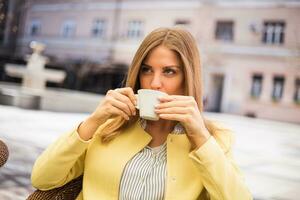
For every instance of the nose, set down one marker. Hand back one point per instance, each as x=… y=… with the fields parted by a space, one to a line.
x=156 y=82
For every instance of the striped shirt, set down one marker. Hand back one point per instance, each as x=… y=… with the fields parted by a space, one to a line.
x=145 y=174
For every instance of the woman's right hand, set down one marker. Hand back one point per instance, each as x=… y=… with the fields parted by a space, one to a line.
x=117 y=102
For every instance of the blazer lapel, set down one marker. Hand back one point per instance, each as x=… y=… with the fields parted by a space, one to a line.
x=125 y=146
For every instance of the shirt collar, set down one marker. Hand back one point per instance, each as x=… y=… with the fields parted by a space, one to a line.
x=178 y=129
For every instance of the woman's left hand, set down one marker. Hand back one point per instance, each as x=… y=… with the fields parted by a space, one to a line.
x=184 y=109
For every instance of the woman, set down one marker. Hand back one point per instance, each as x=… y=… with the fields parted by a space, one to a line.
x=180 y=156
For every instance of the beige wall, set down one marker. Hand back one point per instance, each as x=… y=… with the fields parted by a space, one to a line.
x=236 y=61
x=243 y=16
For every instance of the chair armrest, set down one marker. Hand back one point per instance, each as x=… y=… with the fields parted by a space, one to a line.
x=68 y=191
x=3 y=153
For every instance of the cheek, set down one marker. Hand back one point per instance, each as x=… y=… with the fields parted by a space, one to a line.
x=175 y=86
x=144 y=81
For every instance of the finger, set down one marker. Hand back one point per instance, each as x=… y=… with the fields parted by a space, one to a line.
x=120 y=105
x=119 y=112
x=174 y=117
x=174 y=97
x=126 y=100
x=129 y=93
x=174 y=110
x=179 y=103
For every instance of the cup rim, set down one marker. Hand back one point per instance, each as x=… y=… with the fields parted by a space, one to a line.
x=150 y=90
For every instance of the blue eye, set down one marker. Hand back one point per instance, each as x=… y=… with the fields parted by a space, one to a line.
x=144 y=69
x=169 y=71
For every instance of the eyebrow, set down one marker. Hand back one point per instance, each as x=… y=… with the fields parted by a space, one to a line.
x=163 y=67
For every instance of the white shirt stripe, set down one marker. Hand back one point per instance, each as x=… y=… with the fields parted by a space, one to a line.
x=145 y=174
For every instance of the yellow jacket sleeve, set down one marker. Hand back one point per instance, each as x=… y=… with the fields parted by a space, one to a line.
x=221 y=177
x=61 y=162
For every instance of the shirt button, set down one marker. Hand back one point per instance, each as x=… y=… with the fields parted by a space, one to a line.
x=173 y=179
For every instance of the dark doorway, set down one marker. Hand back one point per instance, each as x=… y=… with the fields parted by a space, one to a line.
x=216 y=93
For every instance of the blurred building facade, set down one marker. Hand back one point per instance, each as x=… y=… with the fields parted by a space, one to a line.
x=10 y=13
x=249 y=49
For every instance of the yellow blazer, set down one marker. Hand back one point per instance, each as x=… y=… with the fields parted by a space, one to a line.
x=206 y=173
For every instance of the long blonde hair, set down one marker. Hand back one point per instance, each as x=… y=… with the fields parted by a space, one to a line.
x=181 y=42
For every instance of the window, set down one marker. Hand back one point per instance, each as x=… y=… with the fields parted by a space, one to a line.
x=273 y=33
x=278 y=84
x=35 y=28
x=135 y=29
x=98 y=29
x=182 y=22
x=297 y=90
x=256 y=85
x=69 y=28
x=224 y=30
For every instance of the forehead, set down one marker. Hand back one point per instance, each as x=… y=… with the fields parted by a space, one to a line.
x=162 y=55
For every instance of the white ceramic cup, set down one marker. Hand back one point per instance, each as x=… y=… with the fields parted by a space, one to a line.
x=146 y=101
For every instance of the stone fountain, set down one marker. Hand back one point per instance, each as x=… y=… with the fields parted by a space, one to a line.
x=34 y=77
x=33 y=93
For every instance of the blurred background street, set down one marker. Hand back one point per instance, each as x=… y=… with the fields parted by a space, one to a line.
x=268 y=152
